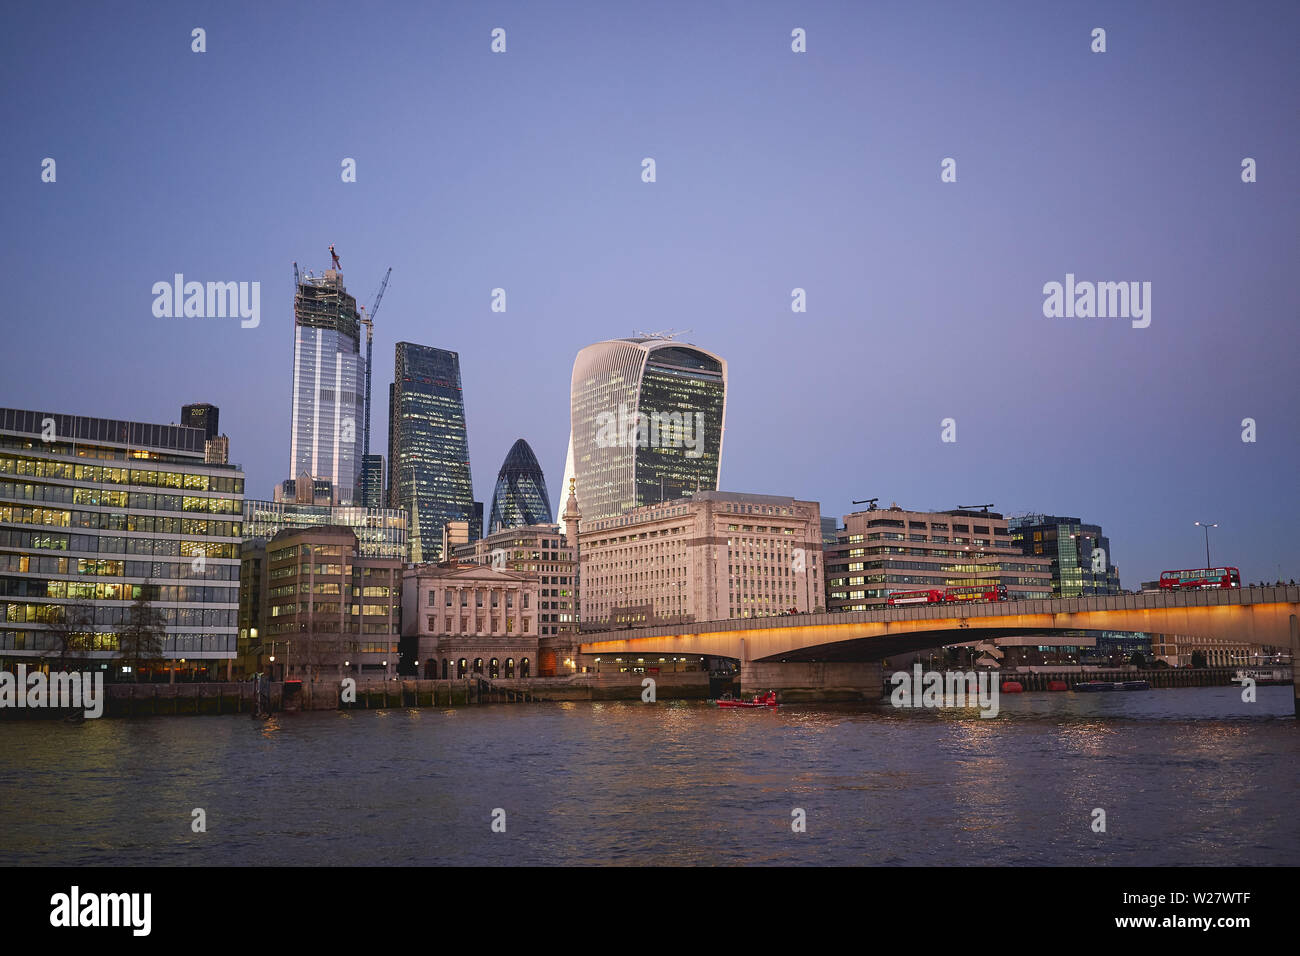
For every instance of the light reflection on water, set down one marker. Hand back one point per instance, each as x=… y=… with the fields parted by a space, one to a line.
x=1186 y=777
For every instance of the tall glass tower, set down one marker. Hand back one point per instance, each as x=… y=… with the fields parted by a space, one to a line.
x=520 y=497
x=329 y=370
x=646 y=423
x=428 y=444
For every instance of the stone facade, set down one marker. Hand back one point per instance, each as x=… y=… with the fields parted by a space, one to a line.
x=459 y=619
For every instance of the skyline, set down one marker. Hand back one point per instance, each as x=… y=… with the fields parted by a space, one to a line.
x=519 y=172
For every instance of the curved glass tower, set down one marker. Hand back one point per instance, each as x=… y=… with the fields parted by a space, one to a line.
x=520 y=497
x=646 y=423
x=428 y=445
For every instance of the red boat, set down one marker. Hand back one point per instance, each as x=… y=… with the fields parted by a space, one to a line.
x=767 y=700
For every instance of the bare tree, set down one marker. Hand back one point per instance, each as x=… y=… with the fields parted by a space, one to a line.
x=72 y=631
x=140 y=641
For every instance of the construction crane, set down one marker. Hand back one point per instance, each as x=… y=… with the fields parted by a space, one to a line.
x=368 y=320
x=869 y=502
x=335 y=257
x=984 y=508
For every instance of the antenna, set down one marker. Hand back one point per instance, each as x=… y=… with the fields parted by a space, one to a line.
x=664 y=334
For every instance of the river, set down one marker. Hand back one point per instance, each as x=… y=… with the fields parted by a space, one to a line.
x=1185 y=777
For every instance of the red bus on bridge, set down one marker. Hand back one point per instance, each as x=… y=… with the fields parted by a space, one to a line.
x=977 y=592
x=956 y=595
x=932 y=596
x=1199 y=578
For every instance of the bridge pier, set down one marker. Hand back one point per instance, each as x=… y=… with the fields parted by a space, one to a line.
x=812 y=681
x=1295 y=663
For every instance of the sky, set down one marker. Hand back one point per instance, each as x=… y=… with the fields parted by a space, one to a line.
x=774 y=170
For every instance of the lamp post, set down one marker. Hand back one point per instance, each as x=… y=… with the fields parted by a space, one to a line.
x=1207 y=525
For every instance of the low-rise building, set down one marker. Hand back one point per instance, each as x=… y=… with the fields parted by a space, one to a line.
x=882 y=550
x=329 y=612
x=540 y=550
x=462 y=619
x=714 y=556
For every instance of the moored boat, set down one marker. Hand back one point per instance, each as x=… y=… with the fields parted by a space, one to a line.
x=767 y=700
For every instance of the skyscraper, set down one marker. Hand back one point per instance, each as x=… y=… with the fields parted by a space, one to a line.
x=520 y=497
x=372 y=482
x=428 y=444
x=328 y=401
x=646 y=423
x=202 y=415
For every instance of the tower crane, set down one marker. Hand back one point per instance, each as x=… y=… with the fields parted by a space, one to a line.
x=368 y=320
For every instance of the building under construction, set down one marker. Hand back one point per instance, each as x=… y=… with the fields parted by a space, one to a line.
x=328 y=413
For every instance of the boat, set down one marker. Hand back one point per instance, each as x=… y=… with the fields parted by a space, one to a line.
x=1013 y=687
x=1057 y=685
x=1101 y=685
x=767 y=700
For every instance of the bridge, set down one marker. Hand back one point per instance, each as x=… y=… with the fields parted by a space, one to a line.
x=1266 y=616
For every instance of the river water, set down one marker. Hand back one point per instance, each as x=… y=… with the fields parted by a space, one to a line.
x=1185 y=777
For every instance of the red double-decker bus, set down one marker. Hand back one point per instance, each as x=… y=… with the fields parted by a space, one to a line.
x=1199 y=578
x=977 y=592
x=932 y=596
x=955 y=595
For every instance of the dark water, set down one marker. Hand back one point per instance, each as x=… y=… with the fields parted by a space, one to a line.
x=1186 y=777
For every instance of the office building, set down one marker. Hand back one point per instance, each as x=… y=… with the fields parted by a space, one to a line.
x=328 y=612
x=428 y=445
x=880 y=550
x=1081 y=561
x=646 y=423
x=327 y=416
x=202 y=416
x=95 y=513
x=380 y=532
x=713 y=556
x=372 y=482
x=520 y=496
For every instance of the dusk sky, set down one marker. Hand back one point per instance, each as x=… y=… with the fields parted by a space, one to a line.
x=775 y=170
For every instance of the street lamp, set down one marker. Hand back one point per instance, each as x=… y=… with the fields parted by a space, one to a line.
x=1207 y=525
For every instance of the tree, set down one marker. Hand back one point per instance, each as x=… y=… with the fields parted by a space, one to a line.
x=140 y=641
x=71 y=631
x=1198 y=658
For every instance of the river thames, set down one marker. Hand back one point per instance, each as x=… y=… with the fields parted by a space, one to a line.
x=1185 y=777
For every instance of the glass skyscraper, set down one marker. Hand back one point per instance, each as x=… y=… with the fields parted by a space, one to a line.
x=1080 y=553
x=428 y=445
x=520 y=497
x=329 y=370
x=647 y=417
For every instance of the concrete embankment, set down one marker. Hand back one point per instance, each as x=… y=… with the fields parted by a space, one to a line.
x=144 y=700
